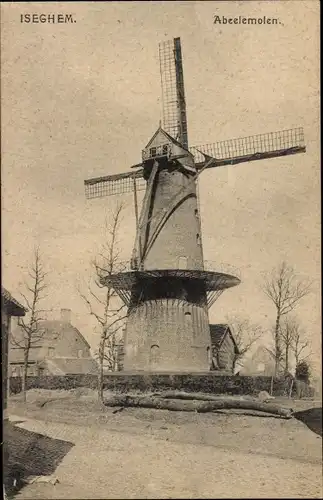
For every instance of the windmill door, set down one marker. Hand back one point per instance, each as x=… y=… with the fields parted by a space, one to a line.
x=154 y=356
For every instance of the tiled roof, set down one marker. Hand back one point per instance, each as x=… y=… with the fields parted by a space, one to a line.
x=218 y=333
x=15 y=308
x=73 y=366
x=54 y=330
x=51 y=331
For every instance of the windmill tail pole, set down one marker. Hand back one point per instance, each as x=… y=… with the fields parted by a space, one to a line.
x=191 y=404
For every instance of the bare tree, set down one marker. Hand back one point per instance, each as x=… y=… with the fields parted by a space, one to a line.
x=285 y=290
x=300 y=346
x=31 y=331
x=102 y=301
x=111 y=354
x=270 y=348
x=287 y=332
x=245 y=334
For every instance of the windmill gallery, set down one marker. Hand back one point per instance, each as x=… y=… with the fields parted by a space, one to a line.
x=167 y=288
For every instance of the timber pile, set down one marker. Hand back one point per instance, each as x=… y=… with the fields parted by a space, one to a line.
x=197 y=402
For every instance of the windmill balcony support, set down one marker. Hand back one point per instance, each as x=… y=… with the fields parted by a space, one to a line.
x=215 y=268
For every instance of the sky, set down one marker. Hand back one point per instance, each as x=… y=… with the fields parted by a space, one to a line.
x=81 y=100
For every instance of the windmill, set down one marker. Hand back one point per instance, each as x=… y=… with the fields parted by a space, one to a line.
x=167 y=288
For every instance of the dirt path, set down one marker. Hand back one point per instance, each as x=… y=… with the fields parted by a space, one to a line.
x=279 y=437
x=170 y=456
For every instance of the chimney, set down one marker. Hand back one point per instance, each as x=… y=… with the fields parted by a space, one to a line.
x=66 y=315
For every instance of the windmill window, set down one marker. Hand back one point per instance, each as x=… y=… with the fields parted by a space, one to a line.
x=152 y=152
x=188 y=314
x=198 y=239
x=51 y=352
x=165 y=149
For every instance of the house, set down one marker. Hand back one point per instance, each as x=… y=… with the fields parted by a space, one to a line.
x=262 y=362
x=223 y=348
x=59 y=349
x=9 y=307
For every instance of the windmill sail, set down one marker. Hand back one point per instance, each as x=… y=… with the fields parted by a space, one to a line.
x=232 y=152
x=114 y=184
x=255 y=147
x=173 y=93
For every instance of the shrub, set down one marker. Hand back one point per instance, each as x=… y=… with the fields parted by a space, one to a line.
x=209 y=382
x=302 y=371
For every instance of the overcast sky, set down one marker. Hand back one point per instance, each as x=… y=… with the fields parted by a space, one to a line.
x=81 y=100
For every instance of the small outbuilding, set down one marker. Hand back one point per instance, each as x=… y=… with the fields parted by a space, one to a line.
x=223 y=348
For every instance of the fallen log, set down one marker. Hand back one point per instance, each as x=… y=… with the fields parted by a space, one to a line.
x=195 y=395
x=195 y=405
